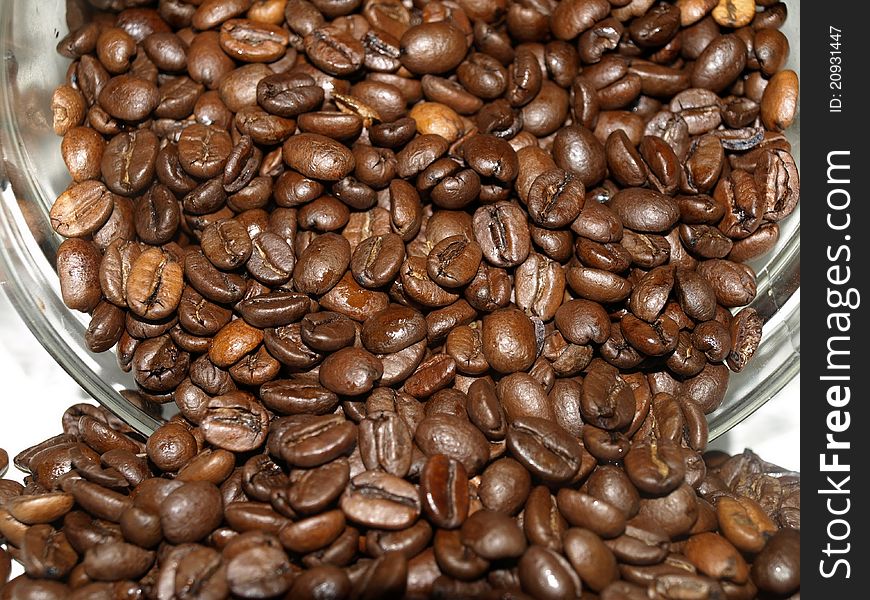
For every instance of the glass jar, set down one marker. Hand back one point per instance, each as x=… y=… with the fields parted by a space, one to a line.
x=32 y=175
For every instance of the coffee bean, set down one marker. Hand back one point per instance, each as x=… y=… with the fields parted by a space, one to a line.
x=493 y=535
x=503 y=238
x=381 y=500
x=777 y=568
x=350 y=372
x=455 y=438
x=453 y=262
x=318 y=157
x=334 y=51
x=545 y=449
x=128 y=164
x=322 y=264
x=444 y=491
x=435 y=47
x=777 y=181
x=385 y=443
x=309 y=441
x=779 y=103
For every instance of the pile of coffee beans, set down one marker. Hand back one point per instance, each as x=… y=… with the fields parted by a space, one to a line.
x=442 y=292
x=105 y=514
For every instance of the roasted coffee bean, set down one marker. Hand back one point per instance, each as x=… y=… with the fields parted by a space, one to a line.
x=381 y=500
x=539 y=286
x=607 y=400
x=493 y=536
x=779 y=103
x=393 y=330
x=454 y=437
x=733 y=283
x=129 y=160
x=322 y=264
x=777 y=181
x=309 y=441
x=509 y=340
x=504 y=486
x=274 y=309
x=555 y=199
x=435 y=47
x=655 y=467
x=334 y=51
x=350 y=371
x=235 y=421
x=522 y=396
x=289 y=94
x=444 y=491
x=453 y=262
x=385 y=443
x=318 y=157
x=777 y=568
x=545 y=449
x=501 y=232
x=745 y=337
x=82 y=209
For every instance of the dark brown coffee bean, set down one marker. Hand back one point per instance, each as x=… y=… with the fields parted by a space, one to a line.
x=509 y=340
x=385 y=443
x=555 y=198
x=381 y=501
x=235 y=422
x=522 y=396
x=203 y=151
x=334 y=51
x=435 y=47
x=128 y=164
x=393 y=330
x=322 y=264
x=154 y=285
x=501 y=233
x=82 y=151
x=318 y=157
x=251 y=41
x=546 y=574
x=540 y=286
x=128 y=97
x=591 y=558
x=777 y=567
x=745 y=332
x=545 y=449
x=778 y=183
x=720 y=63
x=583 y=510
x=733 y=283
x=82 y=209
x=444 y=491
x=493 y=535
x=310 y=441
x=419 y=287
x=454 y=437
x=454 y=261
x=655 y=467
x=607 y=400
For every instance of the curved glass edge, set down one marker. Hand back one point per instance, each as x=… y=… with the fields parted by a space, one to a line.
x=28 y=277
x=29 y=244
x=777 y=360
x=781 y=364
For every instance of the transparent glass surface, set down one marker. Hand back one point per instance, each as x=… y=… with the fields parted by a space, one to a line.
x=32 y=175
